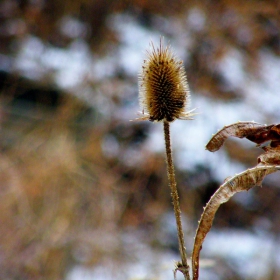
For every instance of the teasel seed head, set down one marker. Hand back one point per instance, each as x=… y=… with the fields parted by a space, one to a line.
x=163 y=87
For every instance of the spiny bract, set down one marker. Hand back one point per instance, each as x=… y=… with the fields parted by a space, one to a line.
x=163 y=87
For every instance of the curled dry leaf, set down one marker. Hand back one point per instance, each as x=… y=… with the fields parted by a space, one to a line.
x=240 y=130
x=240 y=182
x=271 y=156
x=267 y=133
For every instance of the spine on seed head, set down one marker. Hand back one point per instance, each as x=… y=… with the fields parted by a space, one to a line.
x=163 y=87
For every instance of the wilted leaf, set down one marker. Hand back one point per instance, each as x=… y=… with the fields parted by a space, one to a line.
x=240 y=182
x=271 y=156
x=240 y=130
x=267 y=133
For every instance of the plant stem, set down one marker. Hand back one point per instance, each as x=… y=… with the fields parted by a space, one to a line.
x=183 y=267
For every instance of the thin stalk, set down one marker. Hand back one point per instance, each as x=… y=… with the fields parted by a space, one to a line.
x=183 y=266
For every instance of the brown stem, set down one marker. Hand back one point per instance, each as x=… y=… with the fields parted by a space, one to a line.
x=183 y=267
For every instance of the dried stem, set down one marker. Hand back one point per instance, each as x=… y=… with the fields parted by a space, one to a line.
x=183 y=266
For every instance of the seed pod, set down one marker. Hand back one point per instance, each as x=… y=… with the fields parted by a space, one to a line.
x=163 y=87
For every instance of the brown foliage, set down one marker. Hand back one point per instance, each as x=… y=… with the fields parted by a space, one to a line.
x=268 y=163
x=240 y=182
x=240 y=130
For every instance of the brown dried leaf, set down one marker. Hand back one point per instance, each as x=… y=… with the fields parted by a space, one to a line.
x=275 y=144
x=240 y=130
x=240 y=182
x=267 y=133
x=271 y=156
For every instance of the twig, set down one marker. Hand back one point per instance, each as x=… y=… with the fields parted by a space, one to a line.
x=183 y=266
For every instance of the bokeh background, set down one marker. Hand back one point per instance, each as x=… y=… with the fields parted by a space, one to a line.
x=83 y=190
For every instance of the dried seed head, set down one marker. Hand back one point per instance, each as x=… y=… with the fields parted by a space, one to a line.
x=163 y=88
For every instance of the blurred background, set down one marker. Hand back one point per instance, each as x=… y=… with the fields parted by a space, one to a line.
x=83 y=190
